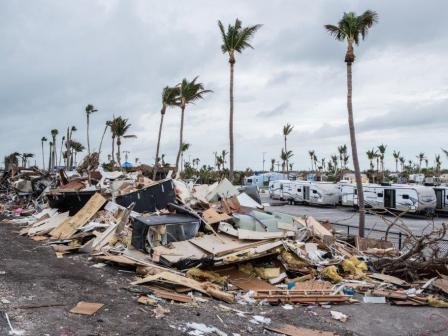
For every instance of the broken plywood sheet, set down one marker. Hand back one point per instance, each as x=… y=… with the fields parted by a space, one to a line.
x=72 y=224
x=86 y=308
x=49 y=225
x=248 y=202
x=173 y=279
x=313 y=285
x=119 y=259
x=178 y=251
x=315 y=227
x=291 y=330
x=441 y=284
x=247 y=282
x=388 y=278
x=221 y=244
x=211 y=216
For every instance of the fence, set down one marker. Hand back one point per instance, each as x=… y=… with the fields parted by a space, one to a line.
x=399 y=239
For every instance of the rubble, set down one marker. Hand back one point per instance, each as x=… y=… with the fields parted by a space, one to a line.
x=186 y=240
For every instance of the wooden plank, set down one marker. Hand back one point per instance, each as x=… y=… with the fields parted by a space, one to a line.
x=441 y=284
x=178 y=251
x=315 y=227
x=291 y=330
x=211 y=216
x=292 y=296
x=313 y=285
x=86 y=308
x=170 y=295
x=388 y=278
x=119 y=259
x=49 y=225
x=71 y=225
x=222 y=244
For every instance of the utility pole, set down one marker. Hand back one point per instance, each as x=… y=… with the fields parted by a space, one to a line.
x=263 y=160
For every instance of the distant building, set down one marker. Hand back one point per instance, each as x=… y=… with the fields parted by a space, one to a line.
x=350 y=178
x=264 y=179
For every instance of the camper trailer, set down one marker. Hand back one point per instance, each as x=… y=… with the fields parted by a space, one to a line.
x=262 y=180
x=315 y=193
x=441 y=198
x=400 y=197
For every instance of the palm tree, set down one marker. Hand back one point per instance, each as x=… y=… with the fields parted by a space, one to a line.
x=285 y=156
x=272 y=165
x=345 y=159
x=54 y=133
x=382 y=149
x=420 y=157
x=342 y=150
x=42 y=140
x=311 y=154
x=371 y=154
x=287 y=129
x=396 y=155
x=169 y=97
x=119 y=128
x=334 y=159
x=189 y=92
x=89 y=110
x=77 y=148
x=68 y=148
x=184 y=148
x=25 y=157
x=438 y=164
x=350 y=29
x=60 y=153
x=426 y=163
x=445 y=151
x=235 y=39
x=402 y=162
x=223 y=155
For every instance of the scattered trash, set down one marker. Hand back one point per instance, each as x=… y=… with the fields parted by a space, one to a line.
x=86 y=308
x=338 y=316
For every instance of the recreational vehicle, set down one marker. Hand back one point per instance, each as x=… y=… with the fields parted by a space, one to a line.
x=262 y=180
x=315 y=193
x=400 y=197
x=441 y=198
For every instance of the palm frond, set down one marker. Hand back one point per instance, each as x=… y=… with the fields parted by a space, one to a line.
x=334 y=31
x=445 y=151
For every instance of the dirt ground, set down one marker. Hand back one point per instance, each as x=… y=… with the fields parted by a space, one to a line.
x=30 y=273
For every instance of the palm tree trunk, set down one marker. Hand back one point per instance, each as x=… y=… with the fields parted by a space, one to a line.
x=102 y=138
x=113 y=151
x=88 y=139
x=43 y=157
x=286 y=159
x=181 y=136
x=232 y=64
x=49 y=157
x=351 y=125
x=158 y=147
x=60 y=154
x=119 y=152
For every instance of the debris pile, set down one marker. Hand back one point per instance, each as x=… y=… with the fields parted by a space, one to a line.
x=187 y=242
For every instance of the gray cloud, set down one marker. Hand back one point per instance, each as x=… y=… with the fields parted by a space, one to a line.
x=118 y=55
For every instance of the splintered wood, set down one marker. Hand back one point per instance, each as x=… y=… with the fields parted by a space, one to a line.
x=72 y=224
x=86 y=308
x=294 y=296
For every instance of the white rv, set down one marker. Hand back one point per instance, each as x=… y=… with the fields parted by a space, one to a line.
x=441 y=198
x=308 y=192
x=401 y=197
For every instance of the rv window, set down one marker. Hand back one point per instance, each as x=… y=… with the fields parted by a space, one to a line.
x=356 y=191
x=380 y=194
x=314 y=192
x=249 y=180
x=405 y=196
x=300 y=190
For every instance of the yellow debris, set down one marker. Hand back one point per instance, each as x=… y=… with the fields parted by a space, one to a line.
x=438 y=303
x=354 y=267
x=247 y=268
x=292 y=259
x=267 y=273
x=331 y=273
x=201 y=275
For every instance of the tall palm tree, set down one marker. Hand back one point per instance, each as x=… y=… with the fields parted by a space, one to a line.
x=169 y=97
x=69 y=158
x=223 y=155
x=334 y=159
x=42 y=140
x=184 y=148
x=350 y=29
x=345 y=159
x=438 y=164
x=396 y=155
x=89 y=110
x=342 y=150
x=54 y=133
x=119 y=128
x=189 y=92
x=287 y=129
x=234 y=40
x=311 y=154
x=272 y=165
x=60 y=152
x=420 y=157
x=445 y=151
x=25 y=157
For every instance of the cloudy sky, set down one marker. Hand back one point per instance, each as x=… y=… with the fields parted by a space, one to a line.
x=58 y=56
